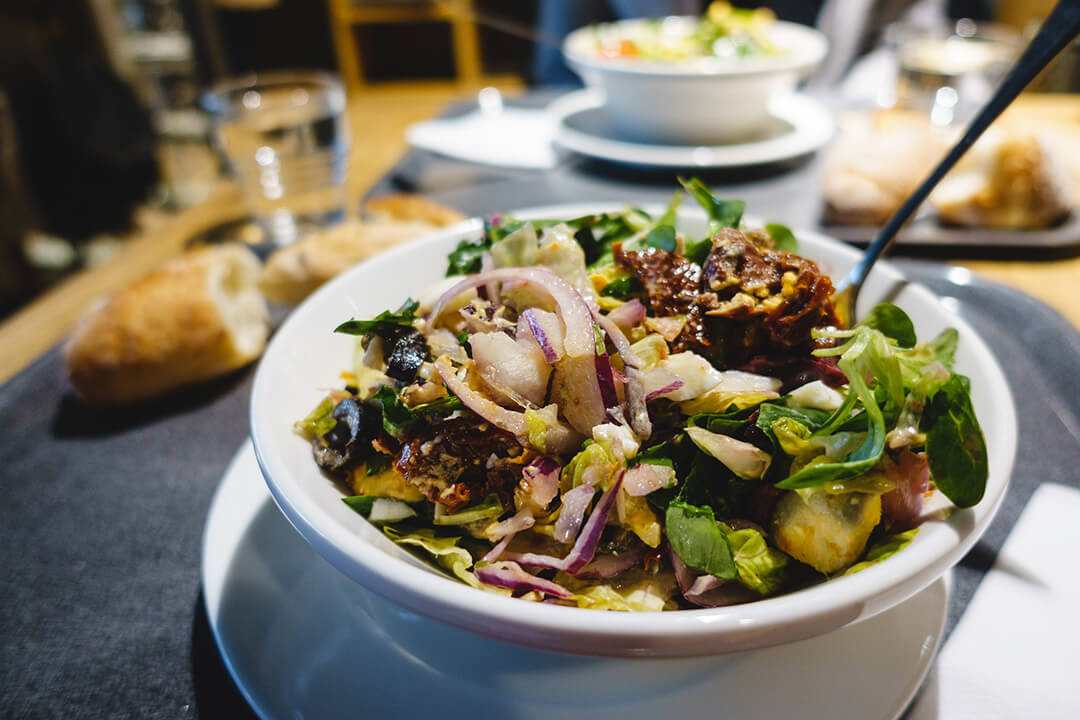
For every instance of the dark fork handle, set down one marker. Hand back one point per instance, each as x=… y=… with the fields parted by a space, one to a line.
x=1059 y=29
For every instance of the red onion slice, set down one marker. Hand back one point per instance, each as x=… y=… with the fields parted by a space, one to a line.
x=628 y=315
x=494 y=553
x=635 y=392
x=585 y=548
x=515 y=369
x=904 y=505
x=574 y=504
x=546 y=329
x=508 y=574
x=522 y=520
x=508 y=420
x=558 y=439
x=706 y=590
x=645 y=478
x=608 y=566
x=605 y=379
x=572 y=308
x=540 y=479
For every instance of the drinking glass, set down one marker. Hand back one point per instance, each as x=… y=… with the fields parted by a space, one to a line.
x=950 y=71
x=285 y=136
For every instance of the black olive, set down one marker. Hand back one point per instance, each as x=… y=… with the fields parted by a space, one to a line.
x=357 y=424
x=409 y=353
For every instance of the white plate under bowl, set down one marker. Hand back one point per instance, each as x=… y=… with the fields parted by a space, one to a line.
x=305 y=358
x=303 y=641
x=797 y=125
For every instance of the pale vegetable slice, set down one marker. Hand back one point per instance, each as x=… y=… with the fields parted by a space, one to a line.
x=745 y=460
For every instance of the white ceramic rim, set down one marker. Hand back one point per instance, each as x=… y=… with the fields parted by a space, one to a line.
x=807 y=49
x=811 y=121
x=820 y=608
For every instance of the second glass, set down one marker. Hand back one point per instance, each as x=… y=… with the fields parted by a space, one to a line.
x=286 y=136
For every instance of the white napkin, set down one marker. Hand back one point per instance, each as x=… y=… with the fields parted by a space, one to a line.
x=508 y=137
x=1016 y=651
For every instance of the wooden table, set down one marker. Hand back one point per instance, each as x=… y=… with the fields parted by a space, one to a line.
x=379 y=117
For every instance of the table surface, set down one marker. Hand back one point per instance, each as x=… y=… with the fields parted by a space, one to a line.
x=379 y=118
x=100 y=607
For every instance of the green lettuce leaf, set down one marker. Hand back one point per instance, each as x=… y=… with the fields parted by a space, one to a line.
x=884 y=549
x=722 y=213
x=699 y=540
x=782 y=237
x=488 y=508
x=383 y=324
x=397 y=419
x=955 y=447
x=760 y=567
x=443 y=550
x=318 y=422
x=661 y=237
x=893 y=322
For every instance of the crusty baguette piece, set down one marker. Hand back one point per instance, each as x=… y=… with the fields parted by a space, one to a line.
x=198 y=317
x=875 y=163
x=1007 y=181
x=294 y=272
x=406 y=206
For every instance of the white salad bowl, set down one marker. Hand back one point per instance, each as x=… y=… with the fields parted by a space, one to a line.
x=305 y=359
x=703 y=101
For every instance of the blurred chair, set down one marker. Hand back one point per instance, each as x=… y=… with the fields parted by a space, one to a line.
x=345 y=15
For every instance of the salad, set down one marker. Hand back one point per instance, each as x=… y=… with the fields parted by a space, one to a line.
x=724 y=32
x=606 y=413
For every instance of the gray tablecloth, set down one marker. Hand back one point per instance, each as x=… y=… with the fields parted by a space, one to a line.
x=102 y=511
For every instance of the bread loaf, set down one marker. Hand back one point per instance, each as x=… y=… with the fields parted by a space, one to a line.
x=196 y=318
x=293 y=272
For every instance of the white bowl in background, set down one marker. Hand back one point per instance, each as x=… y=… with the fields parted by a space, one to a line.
x=305 y=359
x=703 y=101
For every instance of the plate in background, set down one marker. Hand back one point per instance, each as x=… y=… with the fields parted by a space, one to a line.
x=800 y=125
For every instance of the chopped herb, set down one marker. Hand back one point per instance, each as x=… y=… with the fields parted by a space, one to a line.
x=782 y=237
x=385 y=323
x=360 y=503
x=623 y=288
x=661 y=238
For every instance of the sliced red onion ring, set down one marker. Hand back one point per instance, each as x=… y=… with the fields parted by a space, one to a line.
x=572 y=308
x=904 y=505
x=706 y=590
x=645 y=478
x=628 y=315
x=509 y=420
x=576 y=389
x=605 y=378
x=522 y=520
x=559 y=438
x=608 y=566
x=546 y=329
x=493 y=554
x=541 y=480
x=515 y=369
x=585 y=548
x=661 y=392
x=508 y=574
x=635 y=393
x=574 y=504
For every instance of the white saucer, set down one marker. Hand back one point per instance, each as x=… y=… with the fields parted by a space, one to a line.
x=800 y=125
x=301 y=640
